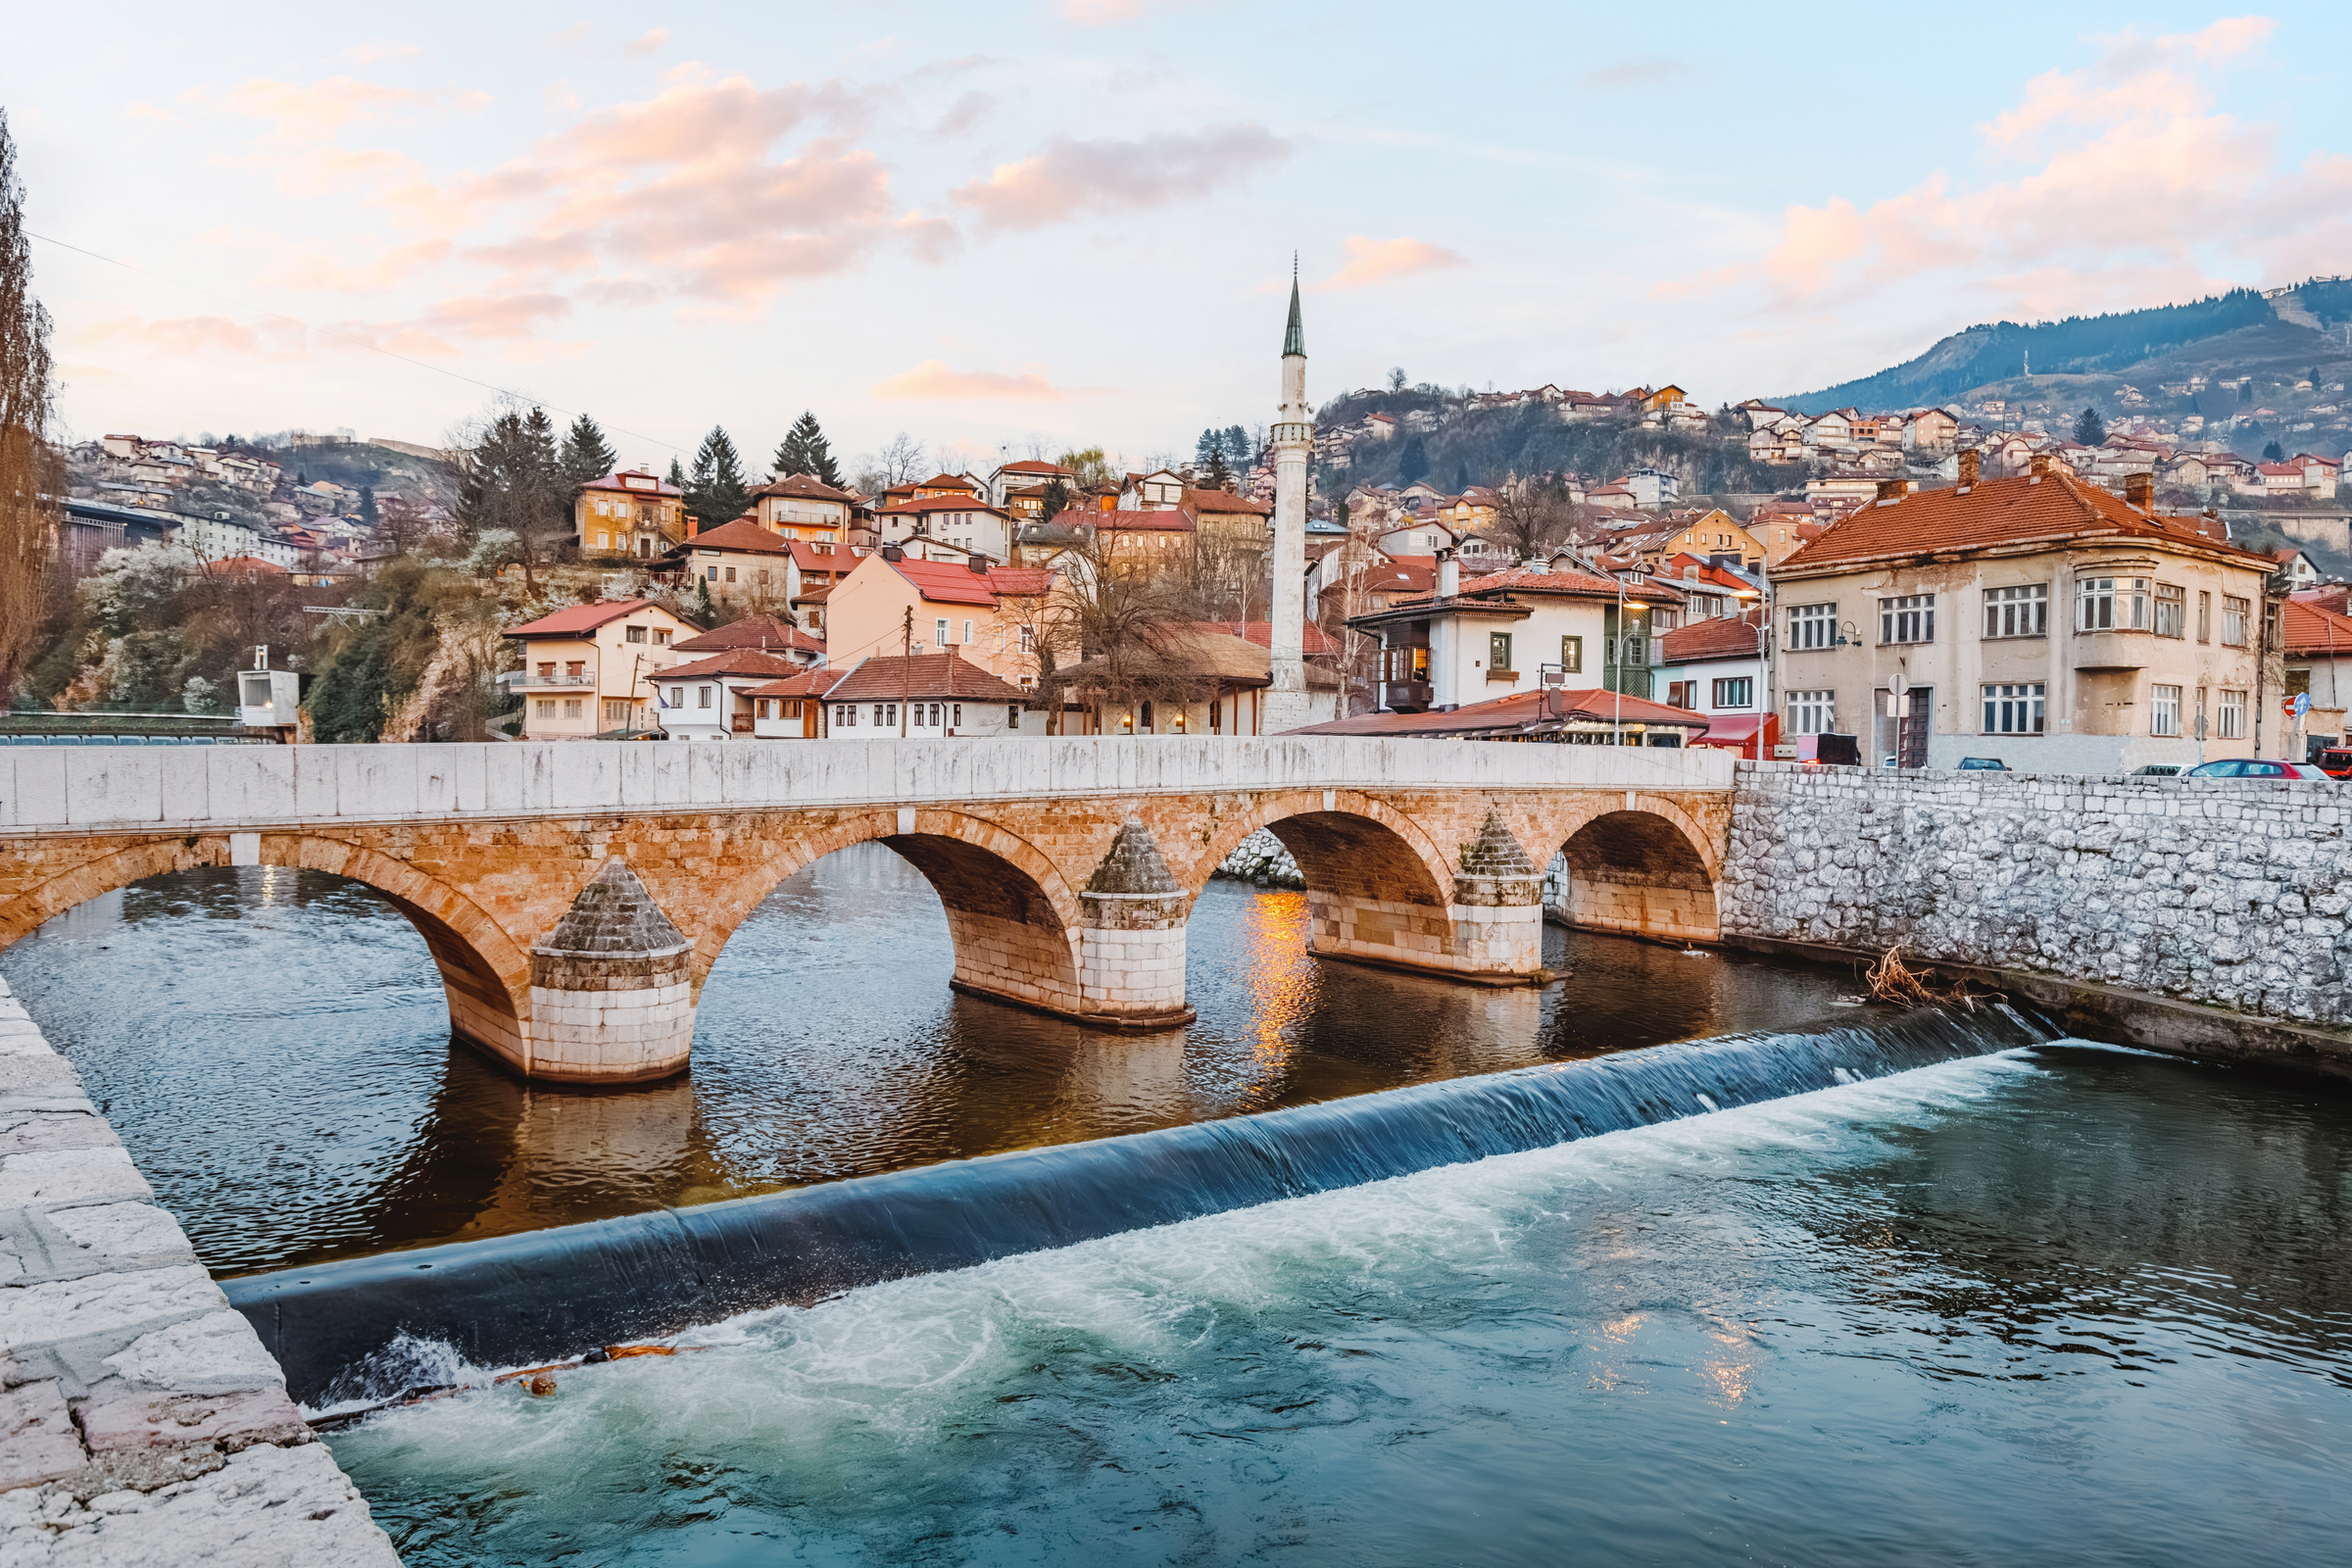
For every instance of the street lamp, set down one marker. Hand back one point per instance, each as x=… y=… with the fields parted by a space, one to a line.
x=1622 y=641
x=1763 y=662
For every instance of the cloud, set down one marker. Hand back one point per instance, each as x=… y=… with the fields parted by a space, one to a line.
x=197 y=337
x=317 y=112
x=391 y=266
x=649 y=43
x=933 y=382
x=1071 y=178
x=1633 y=74
x=1104 y=13
x=1377 y=261
x=2125 y=173
x=963 y=115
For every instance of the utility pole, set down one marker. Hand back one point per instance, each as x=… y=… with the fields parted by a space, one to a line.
x=905 y=664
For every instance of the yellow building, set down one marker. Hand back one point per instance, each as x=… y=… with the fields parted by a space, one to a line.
x=629 y=513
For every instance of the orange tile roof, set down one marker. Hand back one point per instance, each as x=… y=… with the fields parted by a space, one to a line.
x=945 y=584
x=923 y=675
x=768 y=633
x=802 y=484
x=734 y=662
x=2054 y=508
x=2310 y=628
x=808 y=683
x=1724 y=637
x=1314 y=641
x=1198 y=501
x=742 y=535
x=578 y=621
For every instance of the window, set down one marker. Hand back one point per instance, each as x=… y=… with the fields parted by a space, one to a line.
x=616 y=710
x=790 y=710
x=939 y=634
x=877 y=713
x=2201 y=729
x=730 y=574
x=2233 y=726
x=2111 y=604
x=967 y=634
x=935 y=719
x=1572 y=654
x=710 y=574
x=635 y=634
x=1028 y=639
x=957 y=715
x=677 y=697
x=1812 y=713
x=2020 y=612
x=845 y=715
x=1682 y=693
x=546 y=670
x=2233 y=621
x=546 y=709
x=604 y=540
x=702 y=697
x=660 y=638
x=2015 y=709
x=1013 y=715
x=2172 y=610
x=2164 y=710
x=1499 y=651
x=575 y=670
x=572 y=707
x=1812 y=626
x=761 y=709
x=2204 y=617
x=1739 y=691
x=1908 y=619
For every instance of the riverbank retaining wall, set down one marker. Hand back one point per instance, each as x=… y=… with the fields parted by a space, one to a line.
x=2224 y=894
x=141 y=1422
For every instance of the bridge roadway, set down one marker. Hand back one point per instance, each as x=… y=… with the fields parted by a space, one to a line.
x=574 y=895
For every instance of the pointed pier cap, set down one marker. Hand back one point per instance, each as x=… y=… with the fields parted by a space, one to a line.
x=614 y=918
x=1494 y=852
x=1134 y=866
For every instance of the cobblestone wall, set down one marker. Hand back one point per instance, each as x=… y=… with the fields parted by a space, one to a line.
x=2229 y=893
x=141 y=1422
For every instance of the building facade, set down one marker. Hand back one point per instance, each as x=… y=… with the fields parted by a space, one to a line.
x=584 y=667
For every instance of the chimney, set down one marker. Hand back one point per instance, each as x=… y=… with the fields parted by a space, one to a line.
x=1892 y=490
x=1450 y=574
x=976 y=564
x=892 y=553
x=2041 y=463
x=1539 y=565
x=1968 y=467
x=2139 y=490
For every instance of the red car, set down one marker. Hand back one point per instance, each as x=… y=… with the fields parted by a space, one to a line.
x=2254 y=768
x=2336 y=762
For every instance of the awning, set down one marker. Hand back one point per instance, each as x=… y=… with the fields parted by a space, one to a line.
x=1738 y=732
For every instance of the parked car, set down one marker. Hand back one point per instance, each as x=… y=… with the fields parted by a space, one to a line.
x=2155 y=770
x=2245 y=768
x=1982 y=764
x=2335 y=763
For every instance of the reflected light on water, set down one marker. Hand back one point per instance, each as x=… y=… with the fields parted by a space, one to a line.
x=1283 y=985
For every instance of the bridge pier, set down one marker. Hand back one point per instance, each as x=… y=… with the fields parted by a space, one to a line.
x=1131 y=946
x=612 y=993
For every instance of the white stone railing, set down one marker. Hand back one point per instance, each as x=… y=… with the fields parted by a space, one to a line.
x=215 y=789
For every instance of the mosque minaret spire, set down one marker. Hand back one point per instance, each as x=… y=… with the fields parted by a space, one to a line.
x=1293 y=436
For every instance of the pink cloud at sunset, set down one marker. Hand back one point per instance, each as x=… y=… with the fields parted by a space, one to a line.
x=1072 y=178
x=1377 y=261
x=932 y=380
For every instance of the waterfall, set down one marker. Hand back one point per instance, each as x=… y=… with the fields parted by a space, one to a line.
x=559 y=1292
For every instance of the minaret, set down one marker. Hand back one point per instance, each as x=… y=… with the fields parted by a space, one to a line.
x=1293 y=433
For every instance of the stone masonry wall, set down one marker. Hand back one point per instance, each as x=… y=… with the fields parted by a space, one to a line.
x=2223 y=892
x=141 y=1421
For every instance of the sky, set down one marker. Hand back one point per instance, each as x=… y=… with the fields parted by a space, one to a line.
x=1017 y=229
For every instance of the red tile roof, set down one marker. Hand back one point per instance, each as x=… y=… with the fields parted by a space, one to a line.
x=1315 y=640
x=801 y=484
x=766 y=632
x=734 y=662
x=2310 y=629
x=1021 y=582
x=929 y=504
x=1724 y=637
x=743 y=535
x=1035 y=466
x=613 y=482
x=926 y=676
x=808 y=683
x=1165 y=519
x=245 y=564
x=578 y=620
x=2053 y=508
x=945 y=584
x=1199 y=501
x=1519 y=579
x=946 y=481
x=1519 y=711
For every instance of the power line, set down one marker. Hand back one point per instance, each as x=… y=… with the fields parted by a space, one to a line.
x=671 y=448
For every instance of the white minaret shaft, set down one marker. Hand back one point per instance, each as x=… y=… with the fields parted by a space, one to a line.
x=1293 y=435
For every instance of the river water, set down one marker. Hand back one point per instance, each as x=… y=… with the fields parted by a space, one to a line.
x=274 y=1048
x=2059 y=1303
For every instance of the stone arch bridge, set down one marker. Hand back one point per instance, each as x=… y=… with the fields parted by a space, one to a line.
x=575 y=895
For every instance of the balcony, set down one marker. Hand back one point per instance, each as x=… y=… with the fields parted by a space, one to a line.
x=2112 y=650
x=1405 y=696
x=550 y=682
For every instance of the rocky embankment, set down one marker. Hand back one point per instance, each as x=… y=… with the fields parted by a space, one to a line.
x=1261 y=860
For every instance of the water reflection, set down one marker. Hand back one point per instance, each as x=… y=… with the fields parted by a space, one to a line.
x=272 y=1047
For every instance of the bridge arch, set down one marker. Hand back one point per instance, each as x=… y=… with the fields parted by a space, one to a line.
x=1644 y=867
x=1012 y=916
x=1378 y=888
x=485 y=974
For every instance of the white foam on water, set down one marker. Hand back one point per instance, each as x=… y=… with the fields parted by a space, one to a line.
x=901 y=1359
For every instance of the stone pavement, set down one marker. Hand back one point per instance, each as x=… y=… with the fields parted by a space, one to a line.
x=141 y=1422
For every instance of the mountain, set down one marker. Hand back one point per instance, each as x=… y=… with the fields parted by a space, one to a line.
x=2000 y=352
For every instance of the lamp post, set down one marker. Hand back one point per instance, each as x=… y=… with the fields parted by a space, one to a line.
x=1622 y=639
x=1763 y=663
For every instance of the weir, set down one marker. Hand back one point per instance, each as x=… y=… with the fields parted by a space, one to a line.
x=561 y=1292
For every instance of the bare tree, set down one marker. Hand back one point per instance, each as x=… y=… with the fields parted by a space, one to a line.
x=31 y=471
x=1131 y=623
x=1531 y=517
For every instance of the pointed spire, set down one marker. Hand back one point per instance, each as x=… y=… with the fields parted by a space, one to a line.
x=1293 y=341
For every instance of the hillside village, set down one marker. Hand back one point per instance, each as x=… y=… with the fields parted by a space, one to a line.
x=532 y=587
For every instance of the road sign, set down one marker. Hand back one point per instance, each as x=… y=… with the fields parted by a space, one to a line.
x=2299 y=705
x=1898 y=686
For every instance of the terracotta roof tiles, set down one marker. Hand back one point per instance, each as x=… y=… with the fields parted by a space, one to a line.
x=926 y=676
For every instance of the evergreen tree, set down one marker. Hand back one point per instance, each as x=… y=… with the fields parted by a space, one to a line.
x=1412 y=462
x=805 y=450
x=1461 y=475
x=1221 y=477
x=1209 y=448
x=2089 y=428
x=2273 y=452
x=715 y=491
x=367 y=517
x=676 y=475
x=587 y=455
x=508 y=484
x=1237 y=446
